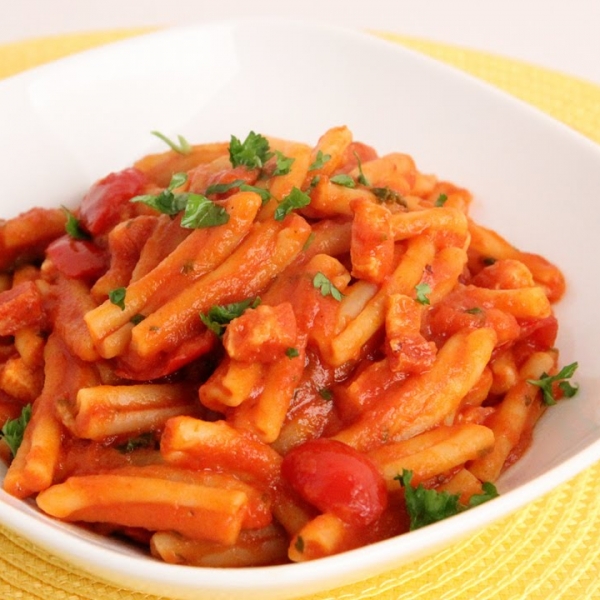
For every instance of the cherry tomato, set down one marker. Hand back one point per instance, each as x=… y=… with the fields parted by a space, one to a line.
x=80 y=259
x=104 y=203
x=337 y=479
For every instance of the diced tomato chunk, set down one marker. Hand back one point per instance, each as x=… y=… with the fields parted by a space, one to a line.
x=79 y=259
x=337 y=479
x=104 y=204
x=261 y=334
x=20 y=306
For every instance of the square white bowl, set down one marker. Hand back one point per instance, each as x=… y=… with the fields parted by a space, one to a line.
x=535 y=181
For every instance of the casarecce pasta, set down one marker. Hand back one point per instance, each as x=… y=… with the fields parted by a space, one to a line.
x=261 y=351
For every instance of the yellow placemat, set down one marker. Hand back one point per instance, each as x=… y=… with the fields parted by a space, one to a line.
x=549 y=550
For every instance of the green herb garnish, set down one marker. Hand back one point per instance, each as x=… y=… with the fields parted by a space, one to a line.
x=200 y=212
x=73 y=226
x=295 y=199
x=427 y=506
x=320 y=160
x=13 y=429
x=422 y=289
x=167 y=202
x=546 y=384
x=361 y=176
x=388 y=195
x=253 y=152
x=117 y=296
x=218 y=317
x=343 y=180
x=322 y=283
x=441 y=200
x=283 y=163
x=141 y=441
x=222 y=188
x=182 y=148
x=326 y=394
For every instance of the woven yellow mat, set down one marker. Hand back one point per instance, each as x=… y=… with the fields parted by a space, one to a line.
x=548 y=550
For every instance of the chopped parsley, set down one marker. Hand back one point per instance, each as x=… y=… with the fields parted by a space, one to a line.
x=295 y=199
x=219 y=316
x=361 y=176
x=320 y=160
x=73 y=226
x=427 y=506
x=292 y=352
x=441 y=200
x=200 y=212
x=253 y=152
x=283 y=163
x=422 y=289
x=388 y=195
x=13 y=429
x=166 y=202
x=117 y=296
x=344 y=180
x=326 y=394
x=182 y=148
x=137 y=318
x=546 y=384
x=474 y=311
x=222 y=188
x=322 y=283
x=141 y=441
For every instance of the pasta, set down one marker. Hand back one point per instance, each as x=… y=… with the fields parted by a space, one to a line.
x=264 y=351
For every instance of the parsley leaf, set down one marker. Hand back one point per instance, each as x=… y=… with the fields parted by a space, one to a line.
x=283 y=164
x=361 y=176
x=295 y=199
x=292 y=352
x=489 y=491
x=141 y=441
x=344 y=180
x=388 y=195
x=441 y=200
x=427 y=506
x=546 y=384
x=326 y=394
x=182 y=148
x=222 y=188
x=322 y=283
x=422 y=289
x=13 y=429
x=253 y=152
x=73 y=226
x=117 y=296
x=320 y=160
x=474 y=311
x=166 y=202
x=201 y=212
x=219 y=316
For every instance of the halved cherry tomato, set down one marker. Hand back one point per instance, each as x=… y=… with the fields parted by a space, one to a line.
x=104 y=204
x=337 y=479
x=80 y=259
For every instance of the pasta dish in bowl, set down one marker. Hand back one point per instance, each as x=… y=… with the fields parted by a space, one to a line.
x=262 y=350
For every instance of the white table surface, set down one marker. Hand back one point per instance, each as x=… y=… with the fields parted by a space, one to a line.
x=559 y=34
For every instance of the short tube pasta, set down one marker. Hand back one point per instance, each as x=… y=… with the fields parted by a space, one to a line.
x=252 y=347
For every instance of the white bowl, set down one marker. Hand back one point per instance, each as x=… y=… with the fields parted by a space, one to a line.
x=535 y=181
